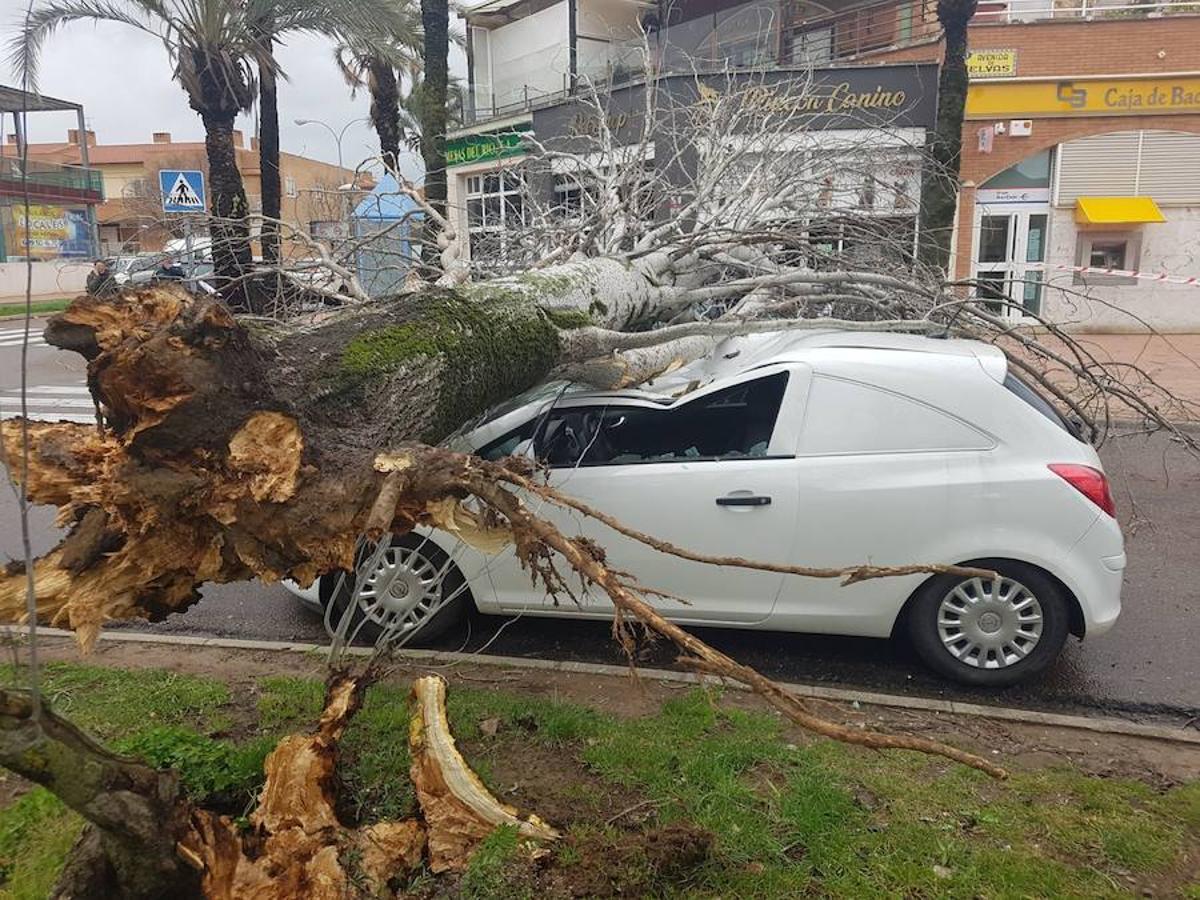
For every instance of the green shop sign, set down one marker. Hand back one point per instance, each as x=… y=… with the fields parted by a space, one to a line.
x=476 y=148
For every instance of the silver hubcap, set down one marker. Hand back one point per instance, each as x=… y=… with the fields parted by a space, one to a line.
x=402 y=592
x=990 y=623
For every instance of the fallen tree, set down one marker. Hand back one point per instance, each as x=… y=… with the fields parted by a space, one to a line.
x=230 y=452
x=231 y=449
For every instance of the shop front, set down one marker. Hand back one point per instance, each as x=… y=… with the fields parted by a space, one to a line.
x=861 y=131
x=1085 y=201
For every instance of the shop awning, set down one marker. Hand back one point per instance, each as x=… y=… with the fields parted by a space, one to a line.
x=1117 y=211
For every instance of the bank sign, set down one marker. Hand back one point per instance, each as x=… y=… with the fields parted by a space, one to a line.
x=1084 y=97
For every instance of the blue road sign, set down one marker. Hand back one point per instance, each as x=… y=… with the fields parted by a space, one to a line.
x=182 y=190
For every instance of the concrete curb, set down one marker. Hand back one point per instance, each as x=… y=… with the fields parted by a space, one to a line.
x=1099 y=724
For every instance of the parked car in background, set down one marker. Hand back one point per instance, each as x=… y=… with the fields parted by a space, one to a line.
x=134 y=269
x=823 y=449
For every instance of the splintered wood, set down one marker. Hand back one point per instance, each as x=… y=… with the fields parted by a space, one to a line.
x=199 y=476
x=295 y=846
x=459 y=810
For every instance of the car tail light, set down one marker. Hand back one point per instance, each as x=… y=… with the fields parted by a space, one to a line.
x=1090 y=482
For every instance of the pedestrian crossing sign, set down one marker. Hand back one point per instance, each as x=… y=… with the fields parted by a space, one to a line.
x=182 y=190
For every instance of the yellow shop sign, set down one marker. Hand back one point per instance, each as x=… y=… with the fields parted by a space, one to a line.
x=1083 y=97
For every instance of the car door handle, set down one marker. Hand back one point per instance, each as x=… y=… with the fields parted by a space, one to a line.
x=744 y=500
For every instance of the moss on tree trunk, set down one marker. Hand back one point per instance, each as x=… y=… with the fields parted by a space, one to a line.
x=137 y=811
x=419 y=372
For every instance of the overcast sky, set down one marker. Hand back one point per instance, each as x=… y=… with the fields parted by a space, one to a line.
x=123 y=79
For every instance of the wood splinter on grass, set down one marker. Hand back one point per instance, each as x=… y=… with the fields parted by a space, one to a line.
x=459 y=811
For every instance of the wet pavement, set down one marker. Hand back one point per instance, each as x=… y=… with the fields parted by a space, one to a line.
x=1148 y=666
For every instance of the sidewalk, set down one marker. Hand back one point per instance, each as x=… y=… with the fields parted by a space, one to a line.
x=1173 y=360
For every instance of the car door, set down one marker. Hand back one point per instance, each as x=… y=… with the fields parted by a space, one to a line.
x=883 y=479
x=712 y=473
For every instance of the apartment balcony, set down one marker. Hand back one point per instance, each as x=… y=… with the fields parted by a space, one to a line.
x=50 y=183
x=599 y=64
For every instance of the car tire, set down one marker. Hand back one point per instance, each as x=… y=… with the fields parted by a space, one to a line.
x=411 y=564
x=968 y=631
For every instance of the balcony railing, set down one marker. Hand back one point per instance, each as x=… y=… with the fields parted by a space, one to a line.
x=820 y=39
x=49 y=181
x=599 y=62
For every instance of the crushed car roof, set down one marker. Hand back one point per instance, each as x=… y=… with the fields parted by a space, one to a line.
x=740 y=353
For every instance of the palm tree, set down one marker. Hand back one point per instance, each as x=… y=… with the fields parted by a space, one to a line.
x=435 y=23
x=381 y=67
x=368 y=24
x=268 y=143
x=412 y=102
x=213 y=46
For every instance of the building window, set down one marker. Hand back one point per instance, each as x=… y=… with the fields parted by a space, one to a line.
x=1107 y=250
x=289 y=187
x=495 y=217
x=577 y=194
x=569 y=196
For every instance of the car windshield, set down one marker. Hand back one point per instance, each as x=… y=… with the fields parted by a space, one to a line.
x=534 y=397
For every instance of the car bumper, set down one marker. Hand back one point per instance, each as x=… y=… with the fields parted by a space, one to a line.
x=309 y=596
x=1098 y=575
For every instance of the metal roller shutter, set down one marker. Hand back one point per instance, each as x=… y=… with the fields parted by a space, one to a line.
x=1099 y=165
x=1170 y=167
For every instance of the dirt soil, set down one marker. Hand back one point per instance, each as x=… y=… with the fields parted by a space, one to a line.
x=1159 y=763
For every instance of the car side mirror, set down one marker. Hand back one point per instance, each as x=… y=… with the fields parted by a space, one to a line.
x=524 y=448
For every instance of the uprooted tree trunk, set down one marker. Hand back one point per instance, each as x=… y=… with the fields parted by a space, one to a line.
x=234 y=452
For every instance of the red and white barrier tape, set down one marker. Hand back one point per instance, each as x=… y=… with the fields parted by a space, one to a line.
x=1161 y=277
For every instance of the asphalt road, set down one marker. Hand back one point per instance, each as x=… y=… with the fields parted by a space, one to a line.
x=1147 y=666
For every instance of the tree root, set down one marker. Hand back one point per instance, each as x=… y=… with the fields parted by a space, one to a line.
x=296 y=847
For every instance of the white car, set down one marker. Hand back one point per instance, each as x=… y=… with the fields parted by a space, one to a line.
x=134 y=269
x=808 y=448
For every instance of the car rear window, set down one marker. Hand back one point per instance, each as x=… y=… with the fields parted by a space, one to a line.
x=1029 y=394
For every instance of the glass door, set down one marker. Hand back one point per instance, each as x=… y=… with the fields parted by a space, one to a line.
x=1010 y=258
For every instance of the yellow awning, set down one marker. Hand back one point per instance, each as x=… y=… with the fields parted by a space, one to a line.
x=1117 y=211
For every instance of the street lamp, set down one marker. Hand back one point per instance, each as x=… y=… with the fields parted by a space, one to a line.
x=337 y=135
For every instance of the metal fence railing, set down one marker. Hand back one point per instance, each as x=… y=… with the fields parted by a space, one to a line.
x=53 y=177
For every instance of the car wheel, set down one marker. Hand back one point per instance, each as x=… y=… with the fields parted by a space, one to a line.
x=415 y=588
x=990 y=632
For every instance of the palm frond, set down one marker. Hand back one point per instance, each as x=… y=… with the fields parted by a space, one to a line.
x=40 y=23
